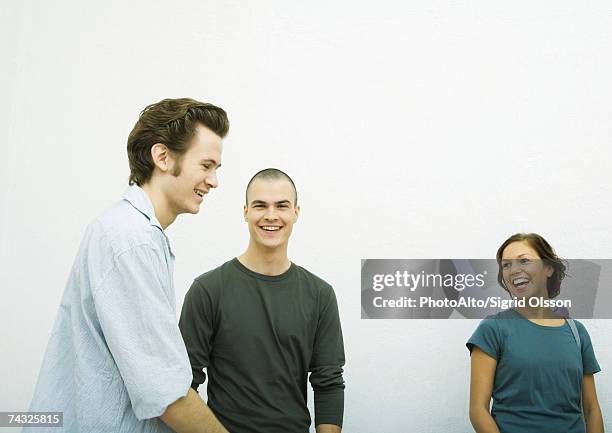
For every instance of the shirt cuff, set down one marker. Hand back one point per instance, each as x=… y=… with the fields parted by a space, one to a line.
x=153 y=405
x=329 y=407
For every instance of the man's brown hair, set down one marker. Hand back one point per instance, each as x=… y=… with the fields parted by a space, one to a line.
x=173 y=123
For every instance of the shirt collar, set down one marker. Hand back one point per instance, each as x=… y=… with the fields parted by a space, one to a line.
x=136 y=196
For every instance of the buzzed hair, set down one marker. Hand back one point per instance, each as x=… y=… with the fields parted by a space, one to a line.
x=270 y=174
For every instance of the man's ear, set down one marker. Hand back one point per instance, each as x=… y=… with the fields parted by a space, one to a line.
x=160 y=156
x=297 y=213
x=245 y=210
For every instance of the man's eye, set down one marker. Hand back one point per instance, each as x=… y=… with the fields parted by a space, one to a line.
x=206 y=166
x=506 y=265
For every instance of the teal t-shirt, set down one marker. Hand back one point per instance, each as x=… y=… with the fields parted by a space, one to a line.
x=538 y=380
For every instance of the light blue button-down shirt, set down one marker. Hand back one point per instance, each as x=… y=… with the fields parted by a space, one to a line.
x=116 y=358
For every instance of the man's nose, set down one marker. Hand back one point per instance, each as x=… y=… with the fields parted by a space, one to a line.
x=270 y=213
x=212 y=180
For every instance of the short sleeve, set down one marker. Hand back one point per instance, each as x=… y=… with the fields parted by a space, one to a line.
x=589 y=361
x=487 y=338
x=139 y=324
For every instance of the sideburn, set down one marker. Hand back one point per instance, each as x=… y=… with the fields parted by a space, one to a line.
x=178 y=167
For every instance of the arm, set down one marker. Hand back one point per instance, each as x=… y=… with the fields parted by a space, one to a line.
x=138 y=322
x=326 y=366
x=590 y=405
x=197 y=327
x=134 y=309
x=328 y=428
x=190 y=414
x=481 y=387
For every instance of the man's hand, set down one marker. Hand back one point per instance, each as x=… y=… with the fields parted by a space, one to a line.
x=190 y=414
x=328 y=428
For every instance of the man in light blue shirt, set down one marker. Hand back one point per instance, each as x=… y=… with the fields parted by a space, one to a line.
x=116 y=361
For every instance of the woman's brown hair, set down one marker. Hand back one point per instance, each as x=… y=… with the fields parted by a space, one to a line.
x=547 y=254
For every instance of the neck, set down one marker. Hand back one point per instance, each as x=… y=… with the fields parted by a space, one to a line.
x=535 y=312
x=161 y=206
x=265 y=261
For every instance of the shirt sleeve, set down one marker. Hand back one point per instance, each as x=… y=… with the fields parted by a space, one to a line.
x=487 y=338
x=196 y=325
x=138 y=321
x=326 y=364
x=589 y=361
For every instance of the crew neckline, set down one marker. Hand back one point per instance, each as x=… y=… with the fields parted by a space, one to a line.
x=537 y=325
x=259 y=276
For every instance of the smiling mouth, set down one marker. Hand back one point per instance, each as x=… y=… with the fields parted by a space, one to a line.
x=199 y=192
x=270 y=229
x=520 y=282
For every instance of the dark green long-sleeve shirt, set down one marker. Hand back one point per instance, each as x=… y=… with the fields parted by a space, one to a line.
x=259 y=336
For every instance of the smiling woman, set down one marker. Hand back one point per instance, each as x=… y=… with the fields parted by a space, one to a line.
x=533 y=254
x=536 y=365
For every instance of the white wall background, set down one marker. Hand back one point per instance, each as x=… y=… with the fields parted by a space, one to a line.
x=426 y=129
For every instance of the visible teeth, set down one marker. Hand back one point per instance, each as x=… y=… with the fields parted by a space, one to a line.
x=519 y=281
x=200 y=193
x=270 y=228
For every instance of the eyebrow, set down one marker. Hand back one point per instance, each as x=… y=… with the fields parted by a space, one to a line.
x=210 y=160
x=254 y=202
x=520 y=255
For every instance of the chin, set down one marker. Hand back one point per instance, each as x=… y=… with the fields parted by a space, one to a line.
x=193 y=209
x=270 y=244
x=526 y=296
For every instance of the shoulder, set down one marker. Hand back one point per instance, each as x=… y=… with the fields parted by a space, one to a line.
x=121 y=218
x=581 y=328
x=489 y=336
x=317 y=289
x=488 y=324
x=500 y=320
x=582 y=331
x=312 y=279
x=494 y=320
x=214 y=278
x=117 y=230
x=498 y=324
x=121 y=226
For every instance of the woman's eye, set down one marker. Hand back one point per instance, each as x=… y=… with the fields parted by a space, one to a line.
x=506 y=265
x=524 y=261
